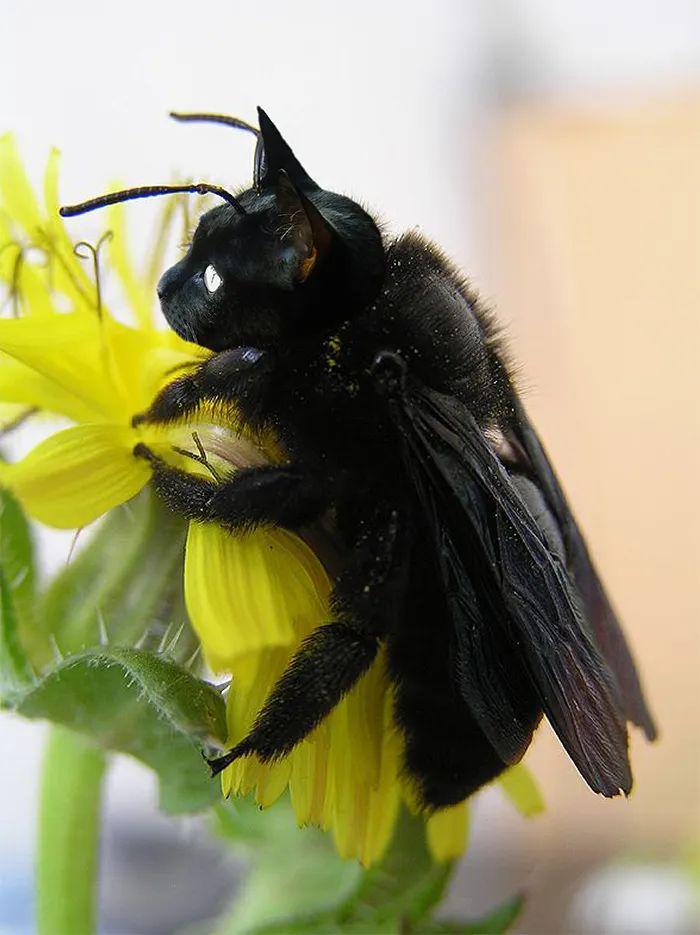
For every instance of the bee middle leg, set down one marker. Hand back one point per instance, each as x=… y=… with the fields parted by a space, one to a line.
x=287 y=495
x=332 y=659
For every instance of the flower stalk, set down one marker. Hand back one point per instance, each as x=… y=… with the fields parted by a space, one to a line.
x=68 y=834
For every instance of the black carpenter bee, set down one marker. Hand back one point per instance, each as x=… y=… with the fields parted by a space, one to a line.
x=385 y=383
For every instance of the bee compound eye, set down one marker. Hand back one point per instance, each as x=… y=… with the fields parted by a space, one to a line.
x=212 y=280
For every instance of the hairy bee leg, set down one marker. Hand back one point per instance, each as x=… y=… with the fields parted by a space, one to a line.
x=185 y=493
x=217 y=380
x=285 y=496
x=332 y=659
x=175 y=401
x=326 y=666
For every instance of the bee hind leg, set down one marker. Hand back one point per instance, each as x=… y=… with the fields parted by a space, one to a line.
x=326 y=666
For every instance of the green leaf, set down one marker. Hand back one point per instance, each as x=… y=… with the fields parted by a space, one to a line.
x=497 y=922
x=139 y=703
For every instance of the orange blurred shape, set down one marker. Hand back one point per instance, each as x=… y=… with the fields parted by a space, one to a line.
x=594 y=247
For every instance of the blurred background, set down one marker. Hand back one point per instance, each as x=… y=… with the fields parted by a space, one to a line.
x=553 y=150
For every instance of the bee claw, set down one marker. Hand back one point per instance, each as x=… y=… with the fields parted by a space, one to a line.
x=216 y=765
x=139 y=419
x=219 y=763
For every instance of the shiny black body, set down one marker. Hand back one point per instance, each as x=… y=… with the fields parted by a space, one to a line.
x=386 y=385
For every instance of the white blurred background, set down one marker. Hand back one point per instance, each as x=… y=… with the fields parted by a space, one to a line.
x=551 y=148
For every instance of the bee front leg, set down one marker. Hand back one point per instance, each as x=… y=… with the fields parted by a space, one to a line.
x=218 y=379
x=175 y=401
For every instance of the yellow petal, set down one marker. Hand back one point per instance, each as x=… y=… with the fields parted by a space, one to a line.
x=246 y=593
x=34 y=292
x=272 y=783
x=28 y=224
x=10 y=411
x=24 y=276
x=519 y=785
x=68 y=272
x=355 y=736
x=363 y=788
x=20 y=384
x=70 y=351
x=307 y=783
x=77 y=475
x=17 y=199
x=139 y=296
x=254 y=676
x=384 y=800
x=5 y=238
x=143 y=361
x=447 y=832
x=252 y=599
x=169 y=208
x=164 y=361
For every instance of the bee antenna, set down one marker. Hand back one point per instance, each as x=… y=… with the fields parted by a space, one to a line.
x=149 y=191
x=259 y=162
x=216 y=118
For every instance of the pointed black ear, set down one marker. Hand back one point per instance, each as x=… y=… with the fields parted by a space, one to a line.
x=303 y=228
x=274 y=155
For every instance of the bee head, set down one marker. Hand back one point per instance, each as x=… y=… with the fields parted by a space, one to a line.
x=279 y=261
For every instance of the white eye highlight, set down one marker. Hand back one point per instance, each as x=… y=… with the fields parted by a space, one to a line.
x=212 y=280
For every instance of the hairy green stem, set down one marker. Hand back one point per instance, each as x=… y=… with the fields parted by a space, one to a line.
x=68 y=835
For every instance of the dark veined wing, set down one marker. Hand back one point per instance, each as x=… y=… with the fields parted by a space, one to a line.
x=506 y=589
x=489 y=674
x=598 y=610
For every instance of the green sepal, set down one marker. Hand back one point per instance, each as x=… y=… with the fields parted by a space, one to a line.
x=126 y=576
x=310 y=879
x=497 y=922
x=16 y=673
x=17 y=593
x=399 y=891
x=17 y=558
x=405 y=885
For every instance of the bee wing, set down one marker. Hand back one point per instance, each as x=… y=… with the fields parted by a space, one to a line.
x=493 y=557
x=599 y=612
x=489 y=676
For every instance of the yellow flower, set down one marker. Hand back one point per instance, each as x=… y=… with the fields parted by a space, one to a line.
x=251 y=599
